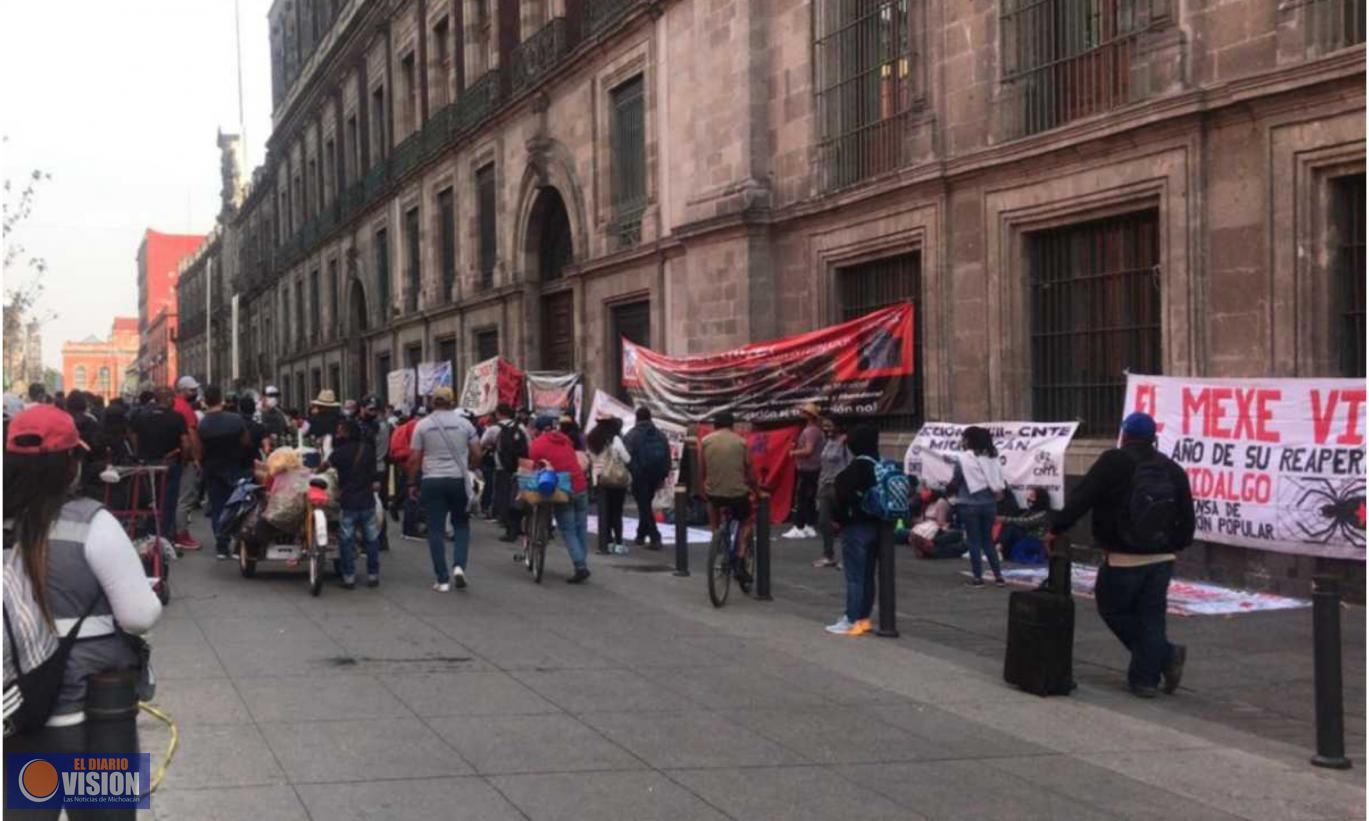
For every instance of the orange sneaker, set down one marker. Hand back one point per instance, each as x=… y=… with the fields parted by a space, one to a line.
x=860 y=628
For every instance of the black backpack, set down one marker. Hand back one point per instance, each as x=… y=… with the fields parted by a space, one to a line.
x=1151 y=510
x=652 y=460
x=512 y=444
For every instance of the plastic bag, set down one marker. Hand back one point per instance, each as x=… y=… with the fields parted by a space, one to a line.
x=286 y=501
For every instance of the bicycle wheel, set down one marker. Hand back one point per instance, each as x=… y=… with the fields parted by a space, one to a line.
x=539 y=543
x=247 y=567
x=749 y=563
x=719 y=567
x=315 y=558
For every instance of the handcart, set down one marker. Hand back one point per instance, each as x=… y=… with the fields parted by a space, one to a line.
x=132 y=494
x=257 y=540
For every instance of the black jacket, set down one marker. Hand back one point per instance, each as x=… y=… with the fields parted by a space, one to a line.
x=857 y=477
x=1106 y=490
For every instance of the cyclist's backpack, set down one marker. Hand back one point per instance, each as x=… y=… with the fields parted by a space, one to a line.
x=1148 y=518
x=512 y=444
x=37 y=655
x=652 y=459
x=887 y=498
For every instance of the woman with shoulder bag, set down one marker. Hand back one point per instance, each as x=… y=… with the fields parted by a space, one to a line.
x=610 y=458
x=70 y=571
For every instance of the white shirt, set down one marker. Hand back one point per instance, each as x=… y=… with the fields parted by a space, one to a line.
x=444 y=438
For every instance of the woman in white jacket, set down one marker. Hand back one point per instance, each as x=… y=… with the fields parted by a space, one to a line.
x=978 y=485
x=609 y=459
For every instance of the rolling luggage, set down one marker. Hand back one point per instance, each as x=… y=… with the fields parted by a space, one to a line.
x=1040 y=652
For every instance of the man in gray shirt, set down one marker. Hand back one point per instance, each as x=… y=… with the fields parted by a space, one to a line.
x=445 y=446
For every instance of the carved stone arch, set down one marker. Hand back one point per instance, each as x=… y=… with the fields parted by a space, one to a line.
x=550 y=165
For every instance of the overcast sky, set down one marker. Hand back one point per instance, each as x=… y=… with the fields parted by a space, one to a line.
x=121 y=101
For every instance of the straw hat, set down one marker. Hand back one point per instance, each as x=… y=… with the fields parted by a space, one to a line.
x=326 y=398
x=809 y=409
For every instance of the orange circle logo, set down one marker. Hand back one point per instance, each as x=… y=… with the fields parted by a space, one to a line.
x=38 y=780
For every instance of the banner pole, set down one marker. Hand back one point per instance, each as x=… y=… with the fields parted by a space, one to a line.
x=681 y=531
x=763 y=548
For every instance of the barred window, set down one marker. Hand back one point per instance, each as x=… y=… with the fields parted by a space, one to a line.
x=1066 y=59
x=103 y=387
x=383 y=273
x=628 y=161
x=1095 y=314
x=877 y=284
x=1331 y=25
x=299 y=314
x=316 y=380
x=484 y=188
x=333 y=287
x=446 y=232
x=315 y=307
x=486 y=344
x=413 y=273
x=1348 y=193
x=335 y=377
x=865 y=79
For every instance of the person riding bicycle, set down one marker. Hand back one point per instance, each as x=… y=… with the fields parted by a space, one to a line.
x=725 y=466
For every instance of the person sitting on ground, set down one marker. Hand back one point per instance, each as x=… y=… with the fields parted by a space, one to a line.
x=1016 y=533
x=932 y=535
x=572 y=518
x=1132 y=588
x=859 y=532
x=354 y=460
x=725 y=471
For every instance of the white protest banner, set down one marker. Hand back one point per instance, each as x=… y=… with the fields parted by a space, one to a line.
x=399 y=388
x=480 y=394
x=1275 y=464
x=433 y=375
x=605 y=405
x=1032 y=455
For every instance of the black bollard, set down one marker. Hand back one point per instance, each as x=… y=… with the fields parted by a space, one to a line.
x=112 y=713
x=763 y=548
x=681 y=531
x=1326 y=651
x=601 y=511
x=888 y=598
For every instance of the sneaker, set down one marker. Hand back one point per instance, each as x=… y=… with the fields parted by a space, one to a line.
x=349 y=582
x=441 y=587
x=975 y=583
x=794 y=533
x=842 y=626
x=825 y=562
x=1142 y=691
x=810 y=532
x=860 y=628
x=459 y=578
x=224 y=554
x=186 y=542
x=373 y=581
x=998 y=581
x=1175 y=671
x=581 y=574
x=639 y=541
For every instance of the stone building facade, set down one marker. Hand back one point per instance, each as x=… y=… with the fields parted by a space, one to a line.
x=1066 y=189
x=97 y=365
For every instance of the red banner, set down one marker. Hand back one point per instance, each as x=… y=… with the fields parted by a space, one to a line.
x=857 y=368
x=771 y=463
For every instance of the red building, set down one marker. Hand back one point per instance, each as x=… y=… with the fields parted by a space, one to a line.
x=159 y=255
x=98 y=365
x=158 y=352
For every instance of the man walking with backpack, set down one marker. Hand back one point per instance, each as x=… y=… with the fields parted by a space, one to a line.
x=510 y=445
x=650 y=465
x=1142 y=514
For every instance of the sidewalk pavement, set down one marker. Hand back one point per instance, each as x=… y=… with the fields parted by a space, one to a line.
x=632 y=698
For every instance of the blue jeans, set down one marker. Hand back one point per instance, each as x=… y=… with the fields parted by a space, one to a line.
x=1132 y=601
x=859 y=548
x=348 y=523
x=218 y=487
x=977 y=520
x=170 y=496
x=573 y=519
x=442 y=497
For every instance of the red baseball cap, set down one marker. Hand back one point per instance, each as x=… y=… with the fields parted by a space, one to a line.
x=43 y=429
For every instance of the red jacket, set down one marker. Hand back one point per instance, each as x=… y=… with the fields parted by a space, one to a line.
x=401 y=442
x=556 y=448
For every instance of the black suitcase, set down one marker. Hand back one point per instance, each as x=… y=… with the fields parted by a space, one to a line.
x=1040 y=652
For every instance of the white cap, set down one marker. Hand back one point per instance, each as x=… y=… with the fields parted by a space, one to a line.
x=272 y=390
x=187 y=383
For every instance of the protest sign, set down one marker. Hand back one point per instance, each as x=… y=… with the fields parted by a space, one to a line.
x=857 y=368
x=1032 y=455
x=552 y=392
x=1275 y=464
x=675 y=435
x=432 y=375
x=488 y=384
x=399 y=388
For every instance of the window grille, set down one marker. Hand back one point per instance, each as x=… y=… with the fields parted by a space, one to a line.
x=486 y=344
x=1331 y=25
x=1350 y=273
x=1095 y=314
x=866 y=80
x=446 y=230
x=628 y=161
x=383 y=273
x=877 y=284
x=414 y=275
x=1066 y=59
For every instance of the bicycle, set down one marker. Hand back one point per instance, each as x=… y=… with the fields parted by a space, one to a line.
x=722 y=557
x=536 y=534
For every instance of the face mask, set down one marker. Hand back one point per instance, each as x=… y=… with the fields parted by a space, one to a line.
x=269 y=402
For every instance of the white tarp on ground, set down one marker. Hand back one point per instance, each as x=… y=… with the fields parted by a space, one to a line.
x=695 y=535
x=1185 y=598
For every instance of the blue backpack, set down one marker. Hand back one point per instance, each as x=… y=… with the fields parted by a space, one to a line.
x=887 y=498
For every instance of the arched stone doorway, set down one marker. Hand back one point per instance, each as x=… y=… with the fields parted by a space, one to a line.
x=549 y=249
x=356 y=346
